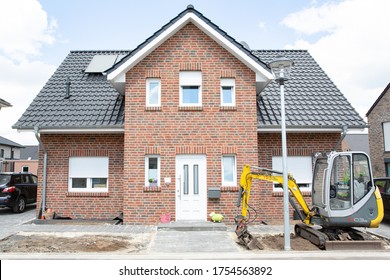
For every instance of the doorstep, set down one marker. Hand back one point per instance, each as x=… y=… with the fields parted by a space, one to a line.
x=192 y=225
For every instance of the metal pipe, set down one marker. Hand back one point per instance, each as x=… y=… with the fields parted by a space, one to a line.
x=43 y=201
x=286 y=213
x=343 y=134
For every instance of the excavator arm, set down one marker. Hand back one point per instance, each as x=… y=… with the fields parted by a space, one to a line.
x=243 y=200
x=268 y=175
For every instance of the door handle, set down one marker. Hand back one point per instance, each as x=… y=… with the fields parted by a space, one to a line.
x=179 y=189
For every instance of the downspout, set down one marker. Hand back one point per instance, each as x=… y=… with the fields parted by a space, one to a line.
x=43 y=202
x=343 y=134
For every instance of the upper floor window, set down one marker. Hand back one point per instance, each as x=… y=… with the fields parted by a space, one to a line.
x=88 y=174
x=386 y=136
x=153 y=92
x=228 y=96
x=190 y=88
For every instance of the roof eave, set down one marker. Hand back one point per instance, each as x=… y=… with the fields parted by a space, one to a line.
x=73 y=129
x=310 y=128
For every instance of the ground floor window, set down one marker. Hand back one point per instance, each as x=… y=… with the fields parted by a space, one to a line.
x=25 y=169
x=300 y=167
x=152 y=170
x=229 y=170
x=88 y=174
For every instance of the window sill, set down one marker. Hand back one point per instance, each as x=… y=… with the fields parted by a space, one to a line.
x=153 y=108
x=152 y=189
x=230 y=188
x=87 y=194
x=228 y=108
x=190 y=108
x=280 y=193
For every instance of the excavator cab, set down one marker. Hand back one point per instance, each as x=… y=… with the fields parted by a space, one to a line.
x=343 y=191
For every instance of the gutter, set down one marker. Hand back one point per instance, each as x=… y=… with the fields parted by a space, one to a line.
x=43 y=201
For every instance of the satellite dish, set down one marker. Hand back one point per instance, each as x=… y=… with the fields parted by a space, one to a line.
x=245 y=44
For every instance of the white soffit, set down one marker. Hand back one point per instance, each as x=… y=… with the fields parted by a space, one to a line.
x=261 y=73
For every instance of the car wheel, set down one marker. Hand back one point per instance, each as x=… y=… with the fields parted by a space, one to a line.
x=20 y=205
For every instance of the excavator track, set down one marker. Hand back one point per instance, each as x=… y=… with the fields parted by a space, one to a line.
x=346 y=239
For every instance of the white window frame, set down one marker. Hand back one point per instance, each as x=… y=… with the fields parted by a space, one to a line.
x=147 y=183
x=148 y=82
x=228 y=183
x=386 y=136
x=190 y=78
x=88 y=168
x=228 y=82
x=300 y=167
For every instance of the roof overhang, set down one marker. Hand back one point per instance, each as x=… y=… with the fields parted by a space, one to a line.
x=119 y=130
x=117 y=76
x=336 y=129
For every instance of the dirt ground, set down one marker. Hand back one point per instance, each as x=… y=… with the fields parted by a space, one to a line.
x=74 y=243
x=92 y=243
x=276 y=243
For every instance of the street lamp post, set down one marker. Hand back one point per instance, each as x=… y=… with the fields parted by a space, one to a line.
x=281 y=68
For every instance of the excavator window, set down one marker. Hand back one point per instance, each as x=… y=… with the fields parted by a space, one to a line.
x=362 y=182
x=340 y=183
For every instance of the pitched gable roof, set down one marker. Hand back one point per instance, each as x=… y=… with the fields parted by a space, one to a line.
x=378 y=99
x=312 y=100
x=93 y=102
x=117 y=73
x=9 y=143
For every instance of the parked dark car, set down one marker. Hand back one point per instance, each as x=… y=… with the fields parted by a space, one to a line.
x=384 y=187
x=17 y=190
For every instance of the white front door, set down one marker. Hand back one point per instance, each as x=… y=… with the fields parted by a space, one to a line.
x=191 y=187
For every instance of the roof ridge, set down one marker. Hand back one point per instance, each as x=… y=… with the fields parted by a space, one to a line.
x=88 y=51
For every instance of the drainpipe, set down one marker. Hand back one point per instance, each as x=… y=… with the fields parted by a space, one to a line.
x=343 y=134
x=43 y=202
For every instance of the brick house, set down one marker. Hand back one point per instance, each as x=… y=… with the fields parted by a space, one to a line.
x=168 y=126
x=379 y=134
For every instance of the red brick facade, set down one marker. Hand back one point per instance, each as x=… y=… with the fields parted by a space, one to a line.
x=377 y=116
x=82 y=205
x=170 y=131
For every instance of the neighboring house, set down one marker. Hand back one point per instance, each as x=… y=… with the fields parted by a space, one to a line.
x=28 y=161
x=168 y=126
x=9 y=151
x=379 y=134
x=4 y=103
x=356 y=142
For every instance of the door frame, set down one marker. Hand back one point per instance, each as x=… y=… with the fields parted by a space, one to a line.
x=202 y=196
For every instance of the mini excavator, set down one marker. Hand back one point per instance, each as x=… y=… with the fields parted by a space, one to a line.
x=344 y=197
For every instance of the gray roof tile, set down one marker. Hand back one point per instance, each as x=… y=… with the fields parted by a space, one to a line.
x=311 y=98
x=93 y=101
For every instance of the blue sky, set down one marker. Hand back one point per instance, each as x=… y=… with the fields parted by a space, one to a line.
x=345 y=37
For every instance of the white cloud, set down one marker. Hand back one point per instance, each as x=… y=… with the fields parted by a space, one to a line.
x=349 y=40
x=24 y=29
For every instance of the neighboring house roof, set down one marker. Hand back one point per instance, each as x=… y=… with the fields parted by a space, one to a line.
x=311 y=98
x=29 y=152
x=357 y=142
x=116 y=74
x=4 y=103
x=378 y=99
x=92 y=101
x=9 y=143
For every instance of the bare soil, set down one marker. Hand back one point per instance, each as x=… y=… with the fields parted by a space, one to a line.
x=74 y=243
x=276 y=243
